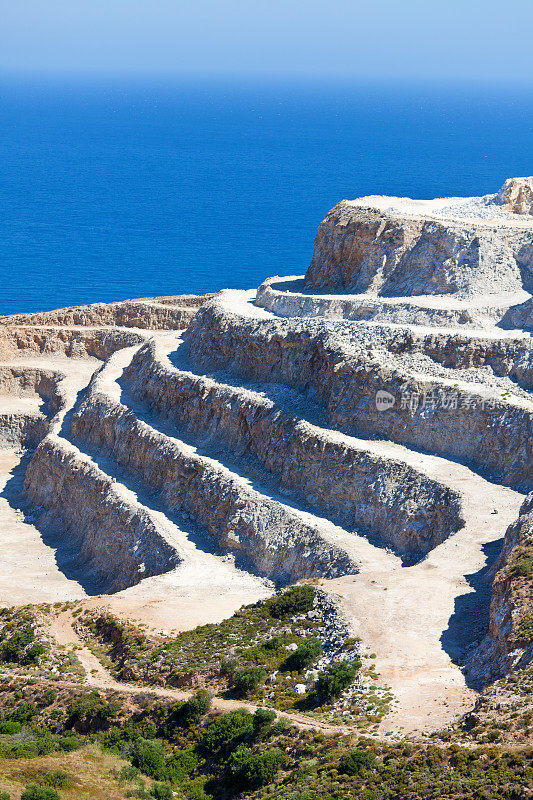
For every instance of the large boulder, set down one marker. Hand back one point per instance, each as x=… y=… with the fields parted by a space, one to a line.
x=516 y=195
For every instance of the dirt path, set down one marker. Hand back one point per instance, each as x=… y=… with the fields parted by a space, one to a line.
x=97 y=676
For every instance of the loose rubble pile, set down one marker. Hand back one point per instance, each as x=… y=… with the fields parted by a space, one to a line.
x=335 y=636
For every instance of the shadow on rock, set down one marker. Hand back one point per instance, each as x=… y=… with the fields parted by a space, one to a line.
x=66 y=555
x=469 y=622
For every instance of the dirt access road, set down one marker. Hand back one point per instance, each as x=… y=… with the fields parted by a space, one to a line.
x=61 y=628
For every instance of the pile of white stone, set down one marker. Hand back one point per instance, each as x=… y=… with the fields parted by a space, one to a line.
x=333 y=634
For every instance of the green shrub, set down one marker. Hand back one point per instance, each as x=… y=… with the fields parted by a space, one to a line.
x=147 y=729
x=5 y=796
x=182 y=763
x=44 y=742
x=162 y=791
x=24 y=713
x=148 y=756
x=10 y=726
x=335 y=678
x=49 y=697
x=356 y=762
x=36 y=792
x=129 y=773
x=22 y=750
x=69 y=743
x=228 y=666
x=227 y=730
x=188 y=713
x=12 y=648
x=91 y=712
x=275 y=643
x=33 y=653
x=194 y=790
x=57 y=778
x=296 y=600
x=304 y=655
x=280 y=727
x=140 y=792
x=247 y=679
x=524 y=567
x=247 y=771
x=262 y=722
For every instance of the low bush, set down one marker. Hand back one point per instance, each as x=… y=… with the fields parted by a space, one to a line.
x=228 y=666
x=129 y=773
x=227 y=731
x=195 y=789
x=36 y=792
x=91 y=712
x=182 y=763
x=49 y=697
x=248 y=771
x=274 y=643
x=33 y=653
x=69 y=743
x=56 y=778
x=523 y=568
x=162 y=791
x=356 y=762
x=24 y=713
x=332 y=681
x=262 y=722
x=10 y=726
x=296 y=600
x=190 y=712
x=247 y=679
x=13 y=647
x=148 y=755
x=304 y=656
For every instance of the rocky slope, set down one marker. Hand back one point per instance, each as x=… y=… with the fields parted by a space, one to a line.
x=111 y=537
x=344 y=366
x=150 y=313
x=509 y=642
x=393 y=247
x=347 y=483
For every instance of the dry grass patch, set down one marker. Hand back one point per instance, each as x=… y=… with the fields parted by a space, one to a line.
x=91 y=774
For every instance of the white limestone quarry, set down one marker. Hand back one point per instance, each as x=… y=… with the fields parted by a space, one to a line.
x=181 y=474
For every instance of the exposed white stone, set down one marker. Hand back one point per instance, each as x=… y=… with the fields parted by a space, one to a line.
x=516 y=195
x=395 y=246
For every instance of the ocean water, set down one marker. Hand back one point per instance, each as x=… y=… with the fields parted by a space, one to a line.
x=124 y=189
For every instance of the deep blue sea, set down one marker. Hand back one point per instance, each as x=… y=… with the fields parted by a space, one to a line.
x=124 y=189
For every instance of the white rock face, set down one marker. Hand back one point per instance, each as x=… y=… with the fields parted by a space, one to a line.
x=324 y=470
x=516 y=195
x=394 y=246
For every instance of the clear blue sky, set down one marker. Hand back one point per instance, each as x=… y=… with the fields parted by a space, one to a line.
x=468 y=39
